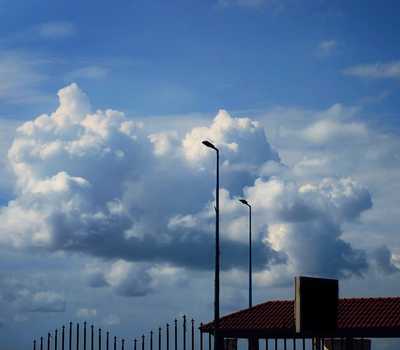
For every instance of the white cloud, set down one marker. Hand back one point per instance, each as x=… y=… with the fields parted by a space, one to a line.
x=387 y=70
x=326 y=48
x=95 y=182
x=56 y=29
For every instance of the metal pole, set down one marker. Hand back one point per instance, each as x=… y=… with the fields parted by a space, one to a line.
x=201 y=336
x=108 y=340
x=217 y=263
x=159 y=338
x=143 y=342
x=123 y=344
x=55 y=339
x=176 y=334
x=77 y=336
x=134 y=344
x=151 y=340
x=192 y=334
x=115 y=343
x=34 y=345
x=62 y=337
x=48 y=341
x=250 y=263
x=184 y=332
x=99 y=339
x=41 y=343
x=91 y=337
x=70 y=336
x=84 y=335
x=167 y=336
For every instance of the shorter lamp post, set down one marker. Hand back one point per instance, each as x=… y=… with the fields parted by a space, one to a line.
x=243 y=201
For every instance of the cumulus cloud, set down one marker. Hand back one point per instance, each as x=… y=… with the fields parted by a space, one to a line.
x=134 y=279
x=29 y=296
x=96 y=182
x=385 y=260
x=387 y=70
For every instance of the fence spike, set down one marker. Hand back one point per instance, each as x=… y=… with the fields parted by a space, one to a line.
x=167 y=336
x=176 y=334
x=99 y=345
x=184 y=332
x=84 y=335
x=77 y=336
x=115 y=343
x=62 y=337
x=70 y=336
x=48 y=341
x=143 y=342
x=123 y=344
x=134 y=344
x=192 y=334
x=55 y=339
x=34 y=345
x=41 y=343
x=91 y=337
x=201 y=336
x=159 y=338
x=107 y=339
x=151 y=340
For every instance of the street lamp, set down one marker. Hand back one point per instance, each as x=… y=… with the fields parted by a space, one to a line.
x=243 y=201
x=217 y=252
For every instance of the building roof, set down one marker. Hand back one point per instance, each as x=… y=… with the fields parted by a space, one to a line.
x=373 y=317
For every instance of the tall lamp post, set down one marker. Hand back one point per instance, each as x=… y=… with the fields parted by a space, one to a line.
x=243 y=201
x=217 y=252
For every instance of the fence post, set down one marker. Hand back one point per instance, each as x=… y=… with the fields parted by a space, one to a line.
x=134 y=344
x=70 y=336
x=48 y=341
x=151 y=340
x=107 y=340
x=123 y=344
x=192 y=334
x=41 y=343
x=184 y=332
x=55 y=339
x=176 y=334
x=62 y=337
x=34 y=345
x=159 y=338
x=209 y=341
x=143 y=342
x=91 y=337
x=99 y=345
x=77 y=336
x=201 y=336
x=115 y=343
x=266 y=343
x=84 y=335
x=167 y=336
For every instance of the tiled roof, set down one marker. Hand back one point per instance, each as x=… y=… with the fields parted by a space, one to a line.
x=361 y=314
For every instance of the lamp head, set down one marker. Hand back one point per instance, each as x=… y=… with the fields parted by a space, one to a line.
x=209 y=144
x=244 y=202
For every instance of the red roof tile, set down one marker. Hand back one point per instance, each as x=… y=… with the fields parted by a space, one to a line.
x=354 y=314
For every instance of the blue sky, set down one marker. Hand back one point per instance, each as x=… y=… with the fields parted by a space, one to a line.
x=111 y=102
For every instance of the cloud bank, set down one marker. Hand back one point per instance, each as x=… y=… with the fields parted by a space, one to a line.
x=97 y=183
